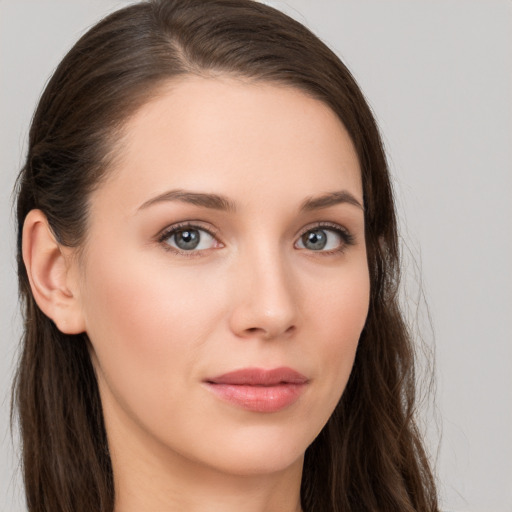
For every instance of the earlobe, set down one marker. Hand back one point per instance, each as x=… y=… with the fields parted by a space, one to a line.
x=49 y=269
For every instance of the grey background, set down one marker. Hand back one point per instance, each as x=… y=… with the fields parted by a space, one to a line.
x=439 y=78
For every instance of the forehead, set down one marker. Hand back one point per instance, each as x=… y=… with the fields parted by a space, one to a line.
x=241 y=137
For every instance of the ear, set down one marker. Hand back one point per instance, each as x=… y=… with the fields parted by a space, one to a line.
x=52 y=273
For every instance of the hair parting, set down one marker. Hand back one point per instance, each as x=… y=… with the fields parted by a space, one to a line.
x=370 y=455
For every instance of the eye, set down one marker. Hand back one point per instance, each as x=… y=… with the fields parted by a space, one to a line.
x=325 y=239
x=188 y=239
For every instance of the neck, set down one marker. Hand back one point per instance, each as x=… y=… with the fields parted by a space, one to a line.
x=149 y=477
x=177 y=484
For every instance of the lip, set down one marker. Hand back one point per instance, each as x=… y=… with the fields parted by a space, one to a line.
x=259 y=390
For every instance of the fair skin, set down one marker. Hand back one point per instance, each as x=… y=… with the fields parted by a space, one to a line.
x=278 y=279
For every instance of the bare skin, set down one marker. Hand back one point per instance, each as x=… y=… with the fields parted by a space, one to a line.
x=267 y=181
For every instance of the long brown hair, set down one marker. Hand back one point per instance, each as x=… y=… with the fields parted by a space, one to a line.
x=370 y=455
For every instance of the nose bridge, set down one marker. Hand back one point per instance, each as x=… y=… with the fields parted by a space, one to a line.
x=265 y=302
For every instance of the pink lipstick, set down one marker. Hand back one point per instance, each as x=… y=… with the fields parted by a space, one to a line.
x=259 y=390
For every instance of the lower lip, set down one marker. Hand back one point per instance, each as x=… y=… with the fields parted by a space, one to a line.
x=259 y=398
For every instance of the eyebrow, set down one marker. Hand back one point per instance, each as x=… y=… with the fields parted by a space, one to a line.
x=218 y=202
x=330 y=199
x=213 y=201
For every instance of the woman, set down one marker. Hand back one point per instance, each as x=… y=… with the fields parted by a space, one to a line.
x=208 y=261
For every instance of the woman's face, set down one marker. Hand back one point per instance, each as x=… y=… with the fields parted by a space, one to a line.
x=224 y=284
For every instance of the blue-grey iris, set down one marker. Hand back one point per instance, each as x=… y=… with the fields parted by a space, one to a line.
x=188 y=239
x=315 y=240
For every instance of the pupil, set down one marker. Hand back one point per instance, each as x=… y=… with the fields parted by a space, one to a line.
x=188 y=239
x=315 y=240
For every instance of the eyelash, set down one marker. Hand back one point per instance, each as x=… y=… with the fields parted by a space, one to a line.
x=183 y=226
x=347 y=238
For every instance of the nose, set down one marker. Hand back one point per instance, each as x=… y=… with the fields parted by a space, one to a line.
x=265 y=299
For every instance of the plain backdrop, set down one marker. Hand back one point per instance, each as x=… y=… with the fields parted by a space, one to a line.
x=438 y=75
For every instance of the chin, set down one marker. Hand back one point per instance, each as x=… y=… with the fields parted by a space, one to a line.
x=252 y=451
x=258 y=464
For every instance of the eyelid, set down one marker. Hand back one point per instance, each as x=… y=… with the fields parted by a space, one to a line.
x=323 y=224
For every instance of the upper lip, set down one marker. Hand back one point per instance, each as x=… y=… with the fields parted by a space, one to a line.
x=260 y=377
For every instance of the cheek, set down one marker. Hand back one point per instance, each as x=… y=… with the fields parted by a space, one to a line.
x=342 y=301
x=153 y=331
x=143 y=307
x=146 y=328
x=341 y=313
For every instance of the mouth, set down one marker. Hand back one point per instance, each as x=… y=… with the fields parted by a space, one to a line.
x=259 y=390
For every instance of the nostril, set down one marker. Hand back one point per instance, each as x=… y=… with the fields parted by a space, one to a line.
x=290 y=329
x=256 y=330
x=269 y=333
